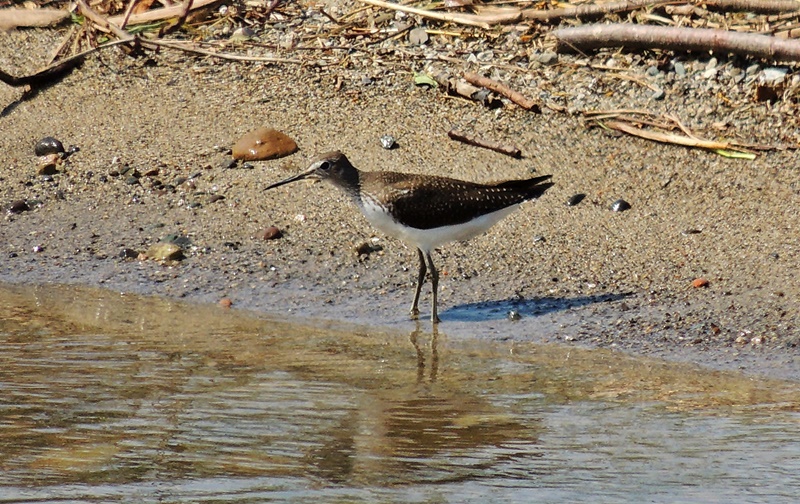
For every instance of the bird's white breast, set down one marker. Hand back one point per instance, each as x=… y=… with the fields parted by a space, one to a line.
x=428 y=239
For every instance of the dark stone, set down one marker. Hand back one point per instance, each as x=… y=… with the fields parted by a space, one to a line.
x=575 y=199
x=620 y=205
x=18 y=206
x=48 y=145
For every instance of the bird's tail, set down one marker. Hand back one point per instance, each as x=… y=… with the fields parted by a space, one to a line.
x=532 y=188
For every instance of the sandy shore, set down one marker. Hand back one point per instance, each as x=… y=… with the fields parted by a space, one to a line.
x=580 y=274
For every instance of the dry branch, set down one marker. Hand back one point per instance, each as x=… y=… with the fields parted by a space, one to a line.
x=499 y=87
x=597 y=10
x=508 y=150
x=672 y=38
x=453 y=17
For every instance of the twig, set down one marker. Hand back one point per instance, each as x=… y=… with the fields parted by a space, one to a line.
x=499 y=87
x=453 y=17
x=671 y=138
x=508 y=150
x=676 y=39
x=128 y=13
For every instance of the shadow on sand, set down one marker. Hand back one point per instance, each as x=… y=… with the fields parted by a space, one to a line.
x=499 y=309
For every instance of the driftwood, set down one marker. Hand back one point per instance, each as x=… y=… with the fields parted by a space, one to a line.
x=672 y=38
x=597 y=10
x=508 y=150
x=499 y=87
x=495 y=16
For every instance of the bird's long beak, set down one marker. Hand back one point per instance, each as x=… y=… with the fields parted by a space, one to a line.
x=308 y=174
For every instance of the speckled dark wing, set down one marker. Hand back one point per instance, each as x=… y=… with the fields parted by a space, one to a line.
x=427 y=202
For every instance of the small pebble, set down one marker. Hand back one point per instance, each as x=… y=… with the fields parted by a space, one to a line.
x=658 y=95
x=699 y=282
x=388 y=142
x=575 y=199
x=680 y=68
x=270 y=233
x=227 y=163
x=620 y=205
x=418 y=36
x=48 y=145
x=368 y=248
x=215 y=197
x=547 y=58
x=128 y=253
x=514 y=315
x=225 y=302
x=18 y=206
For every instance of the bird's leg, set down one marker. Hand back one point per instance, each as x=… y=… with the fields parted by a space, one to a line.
x=434 y=288
x=420 y=280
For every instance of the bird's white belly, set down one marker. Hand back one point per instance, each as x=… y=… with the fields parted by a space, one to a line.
x=428 y=239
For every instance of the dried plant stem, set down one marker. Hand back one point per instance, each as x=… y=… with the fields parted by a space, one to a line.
x=453 y=17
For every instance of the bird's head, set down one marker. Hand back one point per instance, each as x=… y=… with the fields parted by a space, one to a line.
x=333 y=166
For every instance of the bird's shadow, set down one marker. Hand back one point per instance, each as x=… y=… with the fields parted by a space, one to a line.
x=502 y=308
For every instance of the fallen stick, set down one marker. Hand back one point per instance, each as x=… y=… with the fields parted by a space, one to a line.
x=453 y=17
x=499 y=87
x=597 y=10
x=673 y=38
x=508 y=150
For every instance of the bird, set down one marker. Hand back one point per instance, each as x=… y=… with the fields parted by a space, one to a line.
x=425 y=211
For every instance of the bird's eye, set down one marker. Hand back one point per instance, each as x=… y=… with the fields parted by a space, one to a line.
x=325 y=165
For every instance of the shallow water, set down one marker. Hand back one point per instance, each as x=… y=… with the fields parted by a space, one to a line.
x=112 y=398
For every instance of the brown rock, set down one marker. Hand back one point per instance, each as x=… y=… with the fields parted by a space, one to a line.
x=263 y=143
x=225 y=302
x=699 y=282
x=270 y=233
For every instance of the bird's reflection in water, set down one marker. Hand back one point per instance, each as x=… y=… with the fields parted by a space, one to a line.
x=415 y=337
x=430 y=429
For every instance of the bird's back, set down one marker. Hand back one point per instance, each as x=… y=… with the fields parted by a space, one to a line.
x=428 y=202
